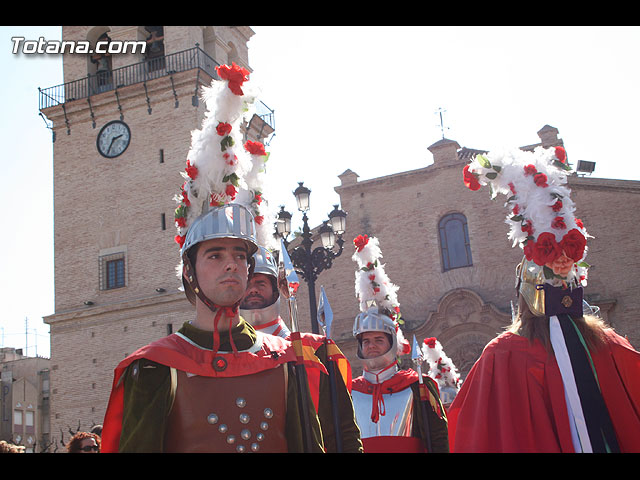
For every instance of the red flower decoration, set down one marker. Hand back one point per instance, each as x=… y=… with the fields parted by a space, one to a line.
x=546 y=249
x=185 y=199
x=259 y=219
x=579 y=223
x=223 y=129
x=530 y=170
x=180 y=239
x=430 y=342
x=255 y=148
x=527 y=227
x=231 y=191
x=540 y=179
x=512 y=187
x=372 y=277
x=516 y=209
x=235 y=74
x=528 y=250
x=360 y=241
x=558 y=223
x=181 y=222
x=470 y=180
x=573 y=244
x=191 y=170
x=258 y=199
x=557 y=206
x=561 y=154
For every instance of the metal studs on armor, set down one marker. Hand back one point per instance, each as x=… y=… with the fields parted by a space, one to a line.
x=245 y=435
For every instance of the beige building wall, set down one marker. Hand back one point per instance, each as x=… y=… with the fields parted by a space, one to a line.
x=466 y=307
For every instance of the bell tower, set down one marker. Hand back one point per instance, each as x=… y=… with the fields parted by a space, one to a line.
x=121 y=126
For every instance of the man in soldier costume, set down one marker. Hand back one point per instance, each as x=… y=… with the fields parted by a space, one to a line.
x=216 y=385
x=559 y=379
x=392 y=414
x=261 y=308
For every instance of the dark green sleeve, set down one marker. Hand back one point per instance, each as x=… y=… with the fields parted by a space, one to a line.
x=438 y=424
x=147 y=402
x=349 y=431
x=294 y=429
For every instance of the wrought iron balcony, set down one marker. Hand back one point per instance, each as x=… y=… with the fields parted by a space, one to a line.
x=144 y=71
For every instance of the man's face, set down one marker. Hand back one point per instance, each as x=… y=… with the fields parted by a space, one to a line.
x=222 y=270
x=374 y=344
x=259 y=292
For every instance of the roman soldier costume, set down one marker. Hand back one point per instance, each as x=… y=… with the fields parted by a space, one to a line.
x=203 y=391
x=386 y=399
x=566 y=390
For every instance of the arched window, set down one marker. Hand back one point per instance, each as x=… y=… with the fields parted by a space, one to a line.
x=454 y=241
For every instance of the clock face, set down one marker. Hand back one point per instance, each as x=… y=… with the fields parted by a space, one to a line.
x=113 y=139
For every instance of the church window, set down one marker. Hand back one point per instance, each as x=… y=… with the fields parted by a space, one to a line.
x=455 y=248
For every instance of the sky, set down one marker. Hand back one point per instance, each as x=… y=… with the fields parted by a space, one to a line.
x=365 y=98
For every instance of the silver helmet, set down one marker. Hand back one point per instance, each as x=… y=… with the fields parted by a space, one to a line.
x=373 y=320
x=228 y=221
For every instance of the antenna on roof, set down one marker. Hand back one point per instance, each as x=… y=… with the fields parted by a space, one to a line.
x=440 y=111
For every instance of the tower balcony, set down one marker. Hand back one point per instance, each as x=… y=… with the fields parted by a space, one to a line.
x=141 y=72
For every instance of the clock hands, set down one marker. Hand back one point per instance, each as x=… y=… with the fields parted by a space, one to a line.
x=113 y=140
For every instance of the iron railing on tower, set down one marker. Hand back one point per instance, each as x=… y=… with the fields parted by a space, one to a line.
x=137 y=73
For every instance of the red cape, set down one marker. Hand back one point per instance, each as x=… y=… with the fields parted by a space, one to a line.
x=174 y=351
x=513 y=398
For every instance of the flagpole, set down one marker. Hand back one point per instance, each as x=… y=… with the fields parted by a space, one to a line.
x=292 y=283
x=325 y=317
x=422 y=388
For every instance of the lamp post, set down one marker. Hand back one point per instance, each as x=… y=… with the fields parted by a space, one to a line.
x=307 y=262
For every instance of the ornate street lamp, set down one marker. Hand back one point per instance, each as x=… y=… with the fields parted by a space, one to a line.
x=307 y=262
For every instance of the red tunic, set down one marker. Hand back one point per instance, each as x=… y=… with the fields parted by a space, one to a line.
x=513 y=398
x=174 y=351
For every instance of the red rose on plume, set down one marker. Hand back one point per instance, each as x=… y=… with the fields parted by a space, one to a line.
x=530 y=170
x=561 y=154
x=360 y=241
x=516 y=209
x=579 y=223
x=512 y=187
x=558 y=223
x=185 y=199
x=528 y=250
x=259 y=219
x=557 y=206
x=527 y=227
x=540 y=179
x=430 y=342
x=470 y=180
x=180 y=239
x=181 y=222
x=191 y=170
x=546 y=249
x=573 y=244
x=255 y=148
x=235 y=74
x=231 y=191
x=258 y=199
x=223 y=129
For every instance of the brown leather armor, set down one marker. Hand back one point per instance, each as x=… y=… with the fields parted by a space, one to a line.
x=231 y=414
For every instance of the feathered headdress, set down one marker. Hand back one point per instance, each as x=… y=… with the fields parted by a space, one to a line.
x=373 y=287
x=441 y=367
x=219 y=168
x=541 y=213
